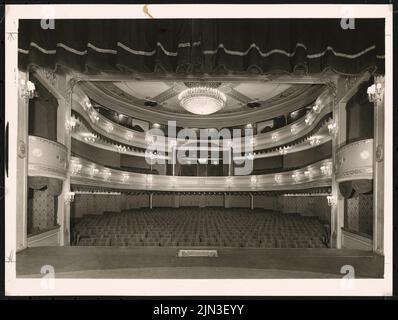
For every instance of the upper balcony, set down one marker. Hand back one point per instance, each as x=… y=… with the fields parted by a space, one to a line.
x=46 y=158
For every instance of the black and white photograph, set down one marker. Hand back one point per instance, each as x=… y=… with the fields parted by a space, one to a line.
x=153 y=146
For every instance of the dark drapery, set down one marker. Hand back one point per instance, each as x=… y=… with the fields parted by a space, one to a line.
x=53 y=185
x=203 y=45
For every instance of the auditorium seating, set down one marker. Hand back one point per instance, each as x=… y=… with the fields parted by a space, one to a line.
x=200 y=227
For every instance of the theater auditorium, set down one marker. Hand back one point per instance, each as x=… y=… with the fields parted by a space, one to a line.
x=156 y=148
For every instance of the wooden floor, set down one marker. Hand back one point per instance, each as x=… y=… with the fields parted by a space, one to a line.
x=155 y=262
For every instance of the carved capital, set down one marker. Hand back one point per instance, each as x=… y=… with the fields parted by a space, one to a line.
x=379 y=153
x=21 y=149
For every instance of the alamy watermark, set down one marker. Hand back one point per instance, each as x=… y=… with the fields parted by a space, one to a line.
x=189 y=146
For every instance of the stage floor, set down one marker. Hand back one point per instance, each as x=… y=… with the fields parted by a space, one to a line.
x=232 y=263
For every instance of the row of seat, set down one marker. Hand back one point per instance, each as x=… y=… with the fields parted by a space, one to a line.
x=219 y=227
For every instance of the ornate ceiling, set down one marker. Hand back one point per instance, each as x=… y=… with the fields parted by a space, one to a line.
x=157 y=100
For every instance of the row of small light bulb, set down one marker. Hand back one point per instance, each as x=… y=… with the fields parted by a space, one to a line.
x=88 y=107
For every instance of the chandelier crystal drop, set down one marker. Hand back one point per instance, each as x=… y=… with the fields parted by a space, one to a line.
x=202 y=100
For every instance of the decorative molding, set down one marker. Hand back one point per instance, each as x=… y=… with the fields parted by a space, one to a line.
x=265 y=140
x=379 y=153
x=213 y=121
x=21 y=149
x=92 y=174
x=46 y=158
x=355 y=161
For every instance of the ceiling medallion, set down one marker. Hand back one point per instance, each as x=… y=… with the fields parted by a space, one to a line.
x=202 y=98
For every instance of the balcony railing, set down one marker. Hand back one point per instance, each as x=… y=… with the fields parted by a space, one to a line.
x=46 y=158
x=87 y=173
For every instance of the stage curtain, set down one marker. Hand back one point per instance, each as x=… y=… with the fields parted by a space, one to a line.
x=254 y=46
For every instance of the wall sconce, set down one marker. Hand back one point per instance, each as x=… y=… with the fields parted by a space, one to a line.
x=76 y=168
x=129 y=136
x=69 y=198
x=93 y=171
x=125 y=177
x=87 y=105
x=94 y=116
x=28 y=90
x=109 y=127
x=316 y=108
x=274 y=137
x=70 y=124
x=296 y=176
x=253 y=179
x=332 y=201
x=278 y=178
x=250 y=156
x=376 y=90
x=326 y=170
x=293 y=130
x=308 y=174
x=332 y=127
x=107 y=174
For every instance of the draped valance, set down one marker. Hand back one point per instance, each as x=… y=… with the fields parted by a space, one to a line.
x=204 y=45
x=53 y=185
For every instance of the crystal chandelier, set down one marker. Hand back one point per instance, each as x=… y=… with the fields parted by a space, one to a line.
x=202 y=99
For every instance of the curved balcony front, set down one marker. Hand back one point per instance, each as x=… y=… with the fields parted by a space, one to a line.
x=275 y=138
x=354 y=161
x=87 y=173
x=46 y=158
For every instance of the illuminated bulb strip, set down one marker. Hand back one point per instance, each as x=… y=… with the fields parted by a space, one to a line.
x=284 y=150
x=90 y=138
x=314 y=141
x=99 y=193
x=332 y=201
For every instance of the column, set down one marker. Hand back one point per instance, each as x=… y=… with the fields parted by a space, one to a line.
x=22 y=162
x=378 y=165
x=64 y=137
x=173 y=157
x=344 y=90
x=251 y=201
x=230 y=164
x=338 y=139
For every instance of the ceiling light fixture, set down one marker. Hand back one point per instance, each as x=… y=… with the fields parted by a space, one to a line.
x=202 y=99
